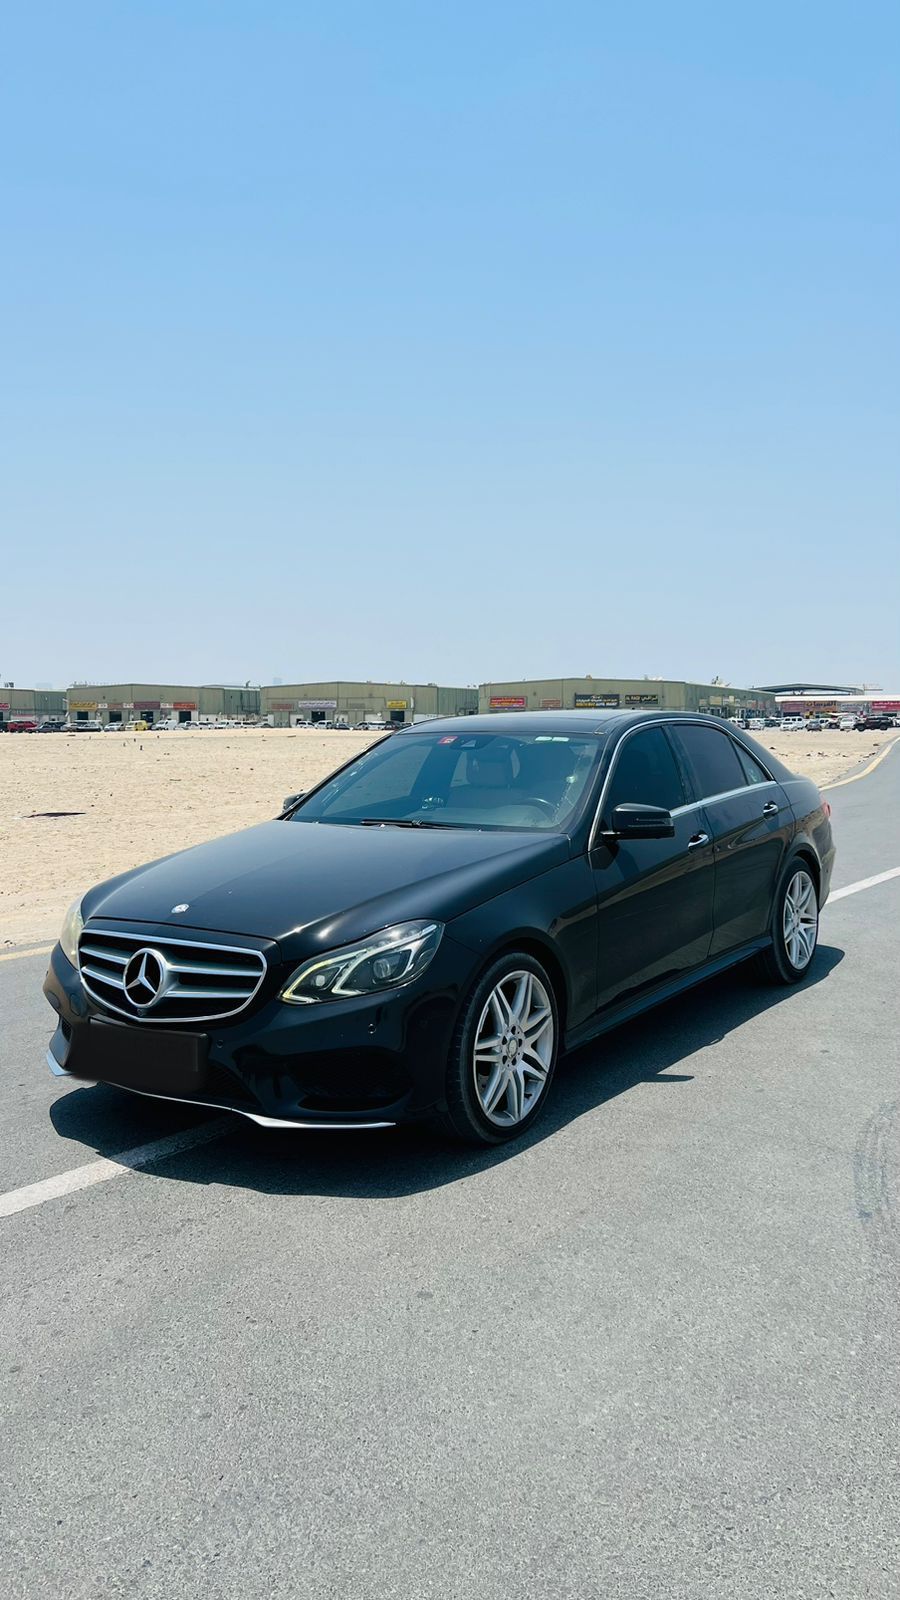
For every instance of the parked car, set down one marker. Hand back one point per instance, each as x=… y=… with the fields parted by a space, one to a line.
x=22 y=725
x=425 y=931
x=51 y=726
x=875 y=722
x=756 y=724
x=791 y=724
x=814 y=725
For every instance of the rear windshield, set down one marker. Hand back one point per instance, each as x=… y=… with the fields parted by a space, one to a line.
x=460 y=780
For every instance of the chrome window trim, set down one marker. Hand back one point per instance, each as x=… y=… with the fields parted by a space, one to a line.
x=693 y=805
x=91 y=928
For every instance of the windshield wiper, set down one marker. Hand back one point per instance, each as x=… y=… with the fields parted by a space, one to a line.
x=402 y=822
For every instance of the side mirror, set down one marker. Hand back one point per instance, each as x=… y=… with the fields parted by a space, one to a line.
x=634 y=821
x=291 y=800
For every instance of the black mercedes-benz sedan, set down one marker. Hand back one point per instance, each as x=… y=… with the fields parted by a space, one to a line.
x=426 y=931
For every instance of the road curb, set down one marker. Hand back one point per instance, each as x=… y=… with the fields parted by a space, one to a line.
x=20 y=955
x=855 y=776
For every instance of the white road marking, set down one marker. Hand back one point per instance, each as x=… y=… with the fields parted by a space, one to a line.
x=36 y=1194
x=863 y=883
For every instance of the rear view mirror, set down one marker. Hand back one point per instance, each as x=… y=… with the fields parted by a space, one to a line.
x=634 y=821
x=291 y=800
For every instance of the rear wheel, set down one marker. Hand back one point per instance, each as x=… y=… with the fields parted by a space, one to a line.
x=504 y=1052
x=795 y=926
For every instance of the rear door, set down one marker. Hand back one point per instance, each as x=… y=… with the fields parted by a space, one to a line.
x=654 y=896
x=750 y=823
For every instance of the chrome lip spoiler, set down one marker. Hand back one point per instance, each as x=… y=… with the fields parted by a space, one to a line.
x=213 y=1105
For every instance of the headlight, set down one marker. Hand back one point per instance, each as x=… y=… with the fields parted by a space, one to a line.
x=71 y=932
x=386 y=961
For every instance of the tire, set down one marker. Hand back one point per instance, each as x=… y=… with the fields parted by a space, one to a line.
x=503 y=1054
x=795 y=926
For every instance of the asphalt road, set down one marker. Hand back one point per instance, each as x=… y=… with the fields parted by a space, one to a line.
x=653 y=1351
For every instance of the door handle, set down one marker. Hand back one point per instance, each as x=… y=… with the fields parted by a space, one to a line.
x=770 y=809
x=697 y=840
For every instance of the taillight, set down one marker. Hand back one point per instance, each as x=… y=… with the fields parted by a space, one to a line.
x=826 y=808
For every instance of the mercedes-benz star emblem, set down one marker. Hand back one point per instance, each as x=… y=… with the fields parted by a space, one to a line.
x=183 y=906
x=145 y=978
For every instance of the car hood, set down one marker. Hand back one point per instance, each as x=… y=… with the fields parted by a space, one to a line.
x=312 y=886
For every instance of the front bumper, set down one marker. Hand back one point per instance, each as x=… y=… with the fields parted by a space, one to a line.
x=369 y=1062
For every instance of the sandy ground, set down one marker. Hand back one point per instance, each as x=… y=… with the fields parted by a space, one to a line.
x=133 y=797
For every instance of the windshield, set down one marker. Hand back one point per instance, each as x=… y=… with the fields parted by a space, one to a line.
x=461 y=780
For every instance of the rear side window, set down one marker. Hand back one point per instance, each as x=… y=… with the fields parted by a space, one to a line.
x=753 y=772
x=645 y=773
x=713 y=760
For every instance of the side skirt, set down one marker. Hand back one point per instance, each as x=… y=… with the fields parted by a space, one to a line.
x=625 y=1010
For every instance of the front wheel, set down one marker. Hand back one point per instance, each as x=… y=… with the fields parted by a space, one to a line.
x=795 y=926
x=504 y=1052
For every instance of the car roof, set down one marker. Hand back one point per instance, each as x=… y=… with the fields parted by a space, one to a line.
x=583 y=722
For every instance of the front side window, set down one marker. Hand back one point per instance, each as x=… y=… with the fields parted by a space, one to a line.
x=461 y=780
x=645 y=773
x=713 y=760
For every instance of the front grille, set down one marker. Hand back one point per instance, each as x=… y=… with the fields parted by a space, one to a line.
x=195 y=980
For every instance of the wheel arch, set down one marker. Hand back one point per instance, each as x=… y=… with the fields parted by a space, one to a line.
x=541 y=949
x=802 y=850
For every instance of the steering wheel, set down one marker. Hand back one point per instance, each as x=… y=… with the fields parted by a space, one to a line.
x=547 y=806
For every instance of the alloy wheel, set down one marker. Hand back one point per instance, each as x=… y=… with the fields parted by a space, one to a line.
x=800 y=920
x=514 y=1045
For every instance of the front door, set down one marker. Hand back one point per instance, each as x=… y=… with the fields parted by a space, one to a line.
x=654 y=896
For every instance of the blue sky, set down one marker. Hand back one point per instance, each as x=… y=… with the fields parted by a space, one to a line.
x=450 y=342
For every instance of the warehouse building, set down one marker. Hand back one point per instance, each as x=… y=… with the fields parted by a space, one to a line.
x=345 y=704
x=31 y=705
x=626 y=694
x=160 y=702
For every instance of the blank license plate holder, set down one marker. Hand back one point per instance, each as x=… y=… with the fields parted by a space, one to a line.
x=155 y=1060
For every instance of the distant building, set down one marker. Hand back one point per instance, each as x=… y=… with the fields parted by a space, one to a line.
x=286 y=705
x=31 y=705
x=626 y=694
x=160 y=702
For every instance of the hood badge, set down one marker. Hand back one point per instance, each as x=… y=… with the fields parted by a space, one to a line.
x=183 y=906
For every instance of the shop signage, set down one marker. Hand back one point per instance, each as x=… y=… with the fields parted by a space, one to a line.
x=281 y=705
x=551 y=705
x=82 y=705
x=507 y=702
x=642 y=699
x=184 y=705
x=317 y=705
x=885 y=705
x=595 y=702
x=4 y=705
x=396 y=705
x=146 y=705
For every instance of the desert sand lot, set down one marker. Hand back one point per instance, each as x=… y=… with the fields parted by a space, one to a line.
x=129 y=798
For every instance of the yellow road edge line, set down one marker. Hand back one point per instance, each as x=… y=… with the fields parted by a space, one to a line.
x=21 y=955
